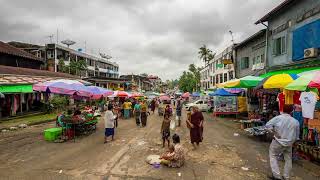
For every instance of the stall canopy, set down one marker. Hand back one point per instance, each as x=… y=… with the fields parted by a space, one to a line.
x=309 y=79
x=290 y=71
x=196 y=94
x=221 y=92
x=21 y=88
x=277 y=81
x=245 y=82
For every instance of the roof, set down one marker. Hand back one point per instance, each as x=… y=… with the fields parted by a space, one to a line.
x=11 y=50
x=257 y=34
x=281 y=7
x=33 y=72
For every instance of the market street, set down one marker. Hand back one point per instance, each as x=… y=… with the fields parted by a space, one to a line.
x=24 y=154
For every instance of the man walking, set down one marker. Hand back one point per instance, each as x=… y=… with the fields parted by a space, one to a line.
x=286 y=131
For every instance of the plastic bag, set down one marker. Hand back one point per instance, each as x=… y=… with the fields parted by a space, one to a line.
x=172 y=125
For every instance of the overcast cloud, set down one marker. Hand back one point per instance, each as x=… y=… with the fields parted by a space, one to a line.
x=159 y=37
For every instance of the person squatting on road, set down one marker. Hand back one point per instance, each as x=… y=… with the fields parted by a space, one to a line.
x=286 y=132
x=165 y=130
x=195 y=124
x=109 y=124
x=175 y=160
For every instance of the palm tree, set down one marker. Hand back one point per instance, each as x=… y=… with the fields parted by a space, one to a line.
x=204 y=54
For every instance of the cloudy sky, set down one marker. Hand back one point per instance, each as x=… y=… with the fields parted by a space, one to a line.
x=158 y=37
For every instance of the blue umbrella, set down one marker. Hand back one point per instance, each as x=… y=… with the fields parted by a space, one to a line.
x=221 y=92
x=196 y=94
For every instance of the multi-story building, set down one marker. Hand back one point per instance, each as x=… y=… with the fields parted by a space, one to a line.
x=251 y=54
x=219 y=70
x=156 y=82
x=15 y=57
x=97 y=66
x=293 y=35
x=137 y=82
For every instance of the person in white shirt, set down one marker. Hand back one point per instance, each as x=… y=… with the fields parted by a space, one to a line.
x=286 y=132
x=109 y=123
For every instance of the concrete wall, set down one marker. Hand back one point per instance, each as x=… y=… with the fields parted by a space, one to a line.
x=290 y=15
x=247 y=50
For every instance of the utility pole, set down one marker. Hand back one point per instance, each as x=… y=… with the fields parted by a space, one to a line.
x=232 y=40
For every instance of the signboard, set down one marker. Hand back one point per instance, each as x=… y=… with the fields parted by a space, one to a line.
x=225 y=104
x=219 y=65
x=227 y=61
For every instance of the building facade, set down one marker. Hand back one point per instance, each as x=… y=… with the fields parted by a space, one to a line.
x=219 y=70
x=15 y=57
x=251 y=54
x=293 y=34
x=135 y=82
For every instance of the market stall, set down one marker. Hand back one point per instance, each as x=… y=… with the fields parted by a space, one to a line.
x=225 y=103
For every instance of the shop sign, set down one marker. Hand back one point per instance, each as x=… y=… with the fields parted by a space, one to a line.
x=227 y=61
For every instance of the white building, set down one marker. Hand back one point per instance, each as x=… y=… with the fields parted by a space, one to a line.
x=219 y=70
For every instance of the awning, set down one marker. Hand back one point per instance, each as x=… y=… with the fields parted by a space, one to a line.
x=21 y=88
x=290 y=71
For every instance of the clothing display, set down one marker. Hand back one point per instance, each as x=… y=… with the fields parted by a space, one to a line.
x=281 y=101
x=288 y=96
x=308 y=103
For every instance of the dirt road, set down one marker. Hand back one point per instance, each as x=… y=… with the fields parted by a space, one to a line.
x=25 y=155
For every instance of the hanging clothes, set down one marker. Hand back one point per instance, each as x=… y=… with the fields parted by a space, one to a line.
x=281 y=101
x=296 y=97
x=288 y=96
x=308 y=103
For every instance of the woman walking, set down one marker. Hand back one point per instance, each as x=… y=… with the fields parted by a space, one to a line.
x=144 y=116
x=127 y=106
x=196 y=126
x=137 y=112
x=178 y=112
x=109 y=124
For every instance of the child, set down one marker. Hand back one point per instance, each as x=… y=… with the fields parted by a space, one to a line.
x=169 y=154
x=165 y=130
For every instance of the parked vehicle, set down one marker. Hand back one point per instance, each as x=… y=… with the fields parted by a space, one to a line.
x=201 y=104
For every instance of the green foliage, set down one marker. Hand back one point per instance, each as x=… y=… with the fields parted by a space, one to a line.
x=59 y=102
x=173 y=83
x=77 y=67
x=205 y=54
x=62 y=67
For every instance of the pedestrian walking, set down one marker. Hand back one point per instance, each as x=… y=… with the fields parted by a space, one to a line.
x=109 y=124
x=153 y=106
x=196 y=126
x=144 y=115
x=165 y=130
x=178 y=112
x=137 y=112
x=127 y=107
x=286 y=132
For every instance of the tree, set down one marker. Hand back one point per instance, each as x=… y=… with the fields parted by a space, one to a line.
x=77 y=67
x=196 y=73
x=62 y=66
x=205 y=53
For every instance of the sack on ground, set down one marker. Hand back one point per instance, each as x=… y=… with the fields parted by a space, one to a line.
x=172 y=125
x=152 y=159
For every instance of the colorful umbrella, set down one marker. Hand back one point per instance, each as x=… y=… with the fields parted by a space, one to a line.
x=244 y=82
x=164 y=98
x=186 y=95
x=65 y=87
x=234 y=90
x=98 y=92
x=307 y=79
x=120 y=94
x=277 y=81
x=136 y=95
x=196 y=94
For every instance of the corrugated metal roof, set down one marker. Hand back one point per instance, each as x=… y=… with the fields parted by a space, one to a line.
x=257 y=34
x=11 y=50
x=276 y=10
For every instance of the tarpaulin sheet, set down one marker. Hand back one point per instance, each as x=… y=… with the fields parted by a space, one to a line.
x=307 y=36
x=242 y=104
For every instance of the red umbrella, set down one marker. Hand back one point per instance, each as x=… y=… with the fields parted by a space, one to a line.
x=120 y=94
x=136 y=94
x=164 y=98
x=186 y=95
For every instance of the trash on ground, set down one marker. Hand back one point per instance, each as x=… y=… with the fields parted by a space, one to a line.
x=245 y=168
x=151 y=159
x=179 y=174
x=140 y=143
x=13 y=128
x=235 y=134
x=60 y=171
x=23 y=126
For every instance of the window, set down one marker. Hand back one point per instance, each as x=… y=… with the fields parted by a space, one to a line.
x=253 y=60
x=262 y=58
x=225 y=77
x=217 y=79
x=221 y=78
x=230 y=75
x=279 y=46
x=244 y=62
